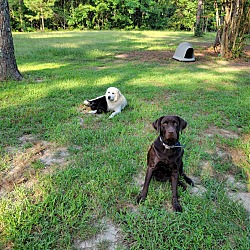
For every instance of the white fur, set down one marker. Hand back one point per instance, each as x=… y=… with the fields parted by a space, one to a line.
x=115 y=100
x=86 y=102
x=92 y=111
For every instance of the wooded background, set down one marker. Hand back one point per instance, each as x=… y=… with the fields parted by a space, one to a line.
x=31 y=15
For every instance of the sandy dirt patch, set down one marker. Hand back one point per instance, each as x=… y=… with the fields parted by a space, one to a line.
x=31 y=157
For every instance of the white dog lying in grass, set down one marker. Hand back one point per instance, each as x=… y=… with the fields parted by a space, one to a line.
x=113 y=100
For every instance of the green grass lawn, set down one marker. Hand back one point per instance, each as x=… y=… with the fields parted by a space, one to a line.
x=57 y=205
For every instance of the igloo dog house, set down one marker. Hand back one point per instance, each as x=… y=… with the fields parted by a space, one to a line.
x=184 y=53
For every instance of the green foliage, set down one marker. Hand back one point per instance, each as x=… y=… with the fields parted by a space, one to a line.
x=82 y=16
x=105 y=14
x=185 y=14
x=17 y=11
x=40 y=7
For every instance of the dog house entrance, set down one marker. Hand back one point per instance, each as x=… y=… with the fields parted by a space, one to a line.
x=184 y=53
x=189 y=53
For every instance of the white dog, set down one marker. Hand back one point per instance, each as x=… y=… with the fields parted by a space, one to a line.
x=113 y=100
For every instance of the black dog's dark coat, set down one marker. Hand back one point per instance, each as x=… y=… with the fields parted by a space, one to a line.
x=164 y=158
x=99 y=104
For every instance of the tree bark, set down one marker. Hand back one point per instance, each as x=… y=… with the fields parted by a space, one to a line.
x=8 y=66
x=198 y=25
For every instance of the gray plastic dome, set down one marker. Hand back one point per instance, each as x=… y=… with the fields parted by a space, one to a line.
x=184 y=53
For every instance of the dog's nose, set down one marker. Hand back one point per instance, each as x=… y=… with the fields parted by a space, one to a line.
x=109 y=97
x=171 y=134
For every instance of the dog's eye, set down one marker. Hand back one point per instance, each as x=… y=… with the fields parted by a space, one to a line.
x=113 y=93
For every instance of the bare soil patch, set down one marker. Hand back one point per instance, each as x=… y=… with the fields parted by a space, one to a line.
x=213 y=130
x=147 y=56
x=242 y=197
x=31 y=157
x=236 y=189
x=202 y=52
x=108 y=238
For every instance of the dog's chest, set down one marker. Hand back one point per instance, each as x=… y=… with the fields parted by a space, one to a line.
x=170 y=158
x=171 y=161
x=168 y=167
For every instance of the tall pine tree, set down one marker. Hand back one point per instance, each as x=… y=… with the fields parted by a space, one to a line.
x=8 y=66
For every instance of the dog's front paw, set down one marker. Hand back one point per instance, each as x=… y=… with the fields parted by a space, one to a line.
x=140 y=198
x=115 y=113
x=176 y=206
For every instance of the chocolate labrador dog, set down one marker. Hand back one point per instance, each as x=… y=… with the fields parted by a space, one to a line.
x=165 y=158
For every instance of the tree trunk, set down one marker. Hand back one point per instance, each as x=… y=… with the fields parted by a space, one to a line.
x=217 y=14
x=8 y=66
x=198 y=25
x=20 y=10
x=42 y=19
x=235 y=26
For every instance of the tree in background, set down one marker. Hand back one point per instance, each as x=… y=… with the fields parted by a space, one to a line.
x=234 y=28
x=42 y=8
x=29 y=15
x=17 y=10
x=183 y=17
x=122 y=14
x=8 y=66
x=198 y=25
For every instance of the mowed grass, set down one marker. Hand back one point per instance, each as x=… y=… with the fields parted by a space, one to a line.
x=56 y=206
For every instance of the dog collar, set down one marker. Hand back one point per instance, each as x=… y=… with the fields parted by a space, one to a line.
x=177 y=145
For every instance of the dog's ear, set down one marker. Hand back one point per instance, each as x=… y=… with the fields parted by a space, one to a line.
x=157 y=124
x=183 y=124
x=117 y=95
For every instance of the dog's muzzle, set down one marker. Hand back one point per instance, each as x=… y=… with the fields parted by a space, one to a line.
x=171 y=136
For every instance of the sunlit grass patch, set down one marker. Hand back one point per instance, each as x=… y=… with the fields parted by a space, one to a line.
x=41 y=66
